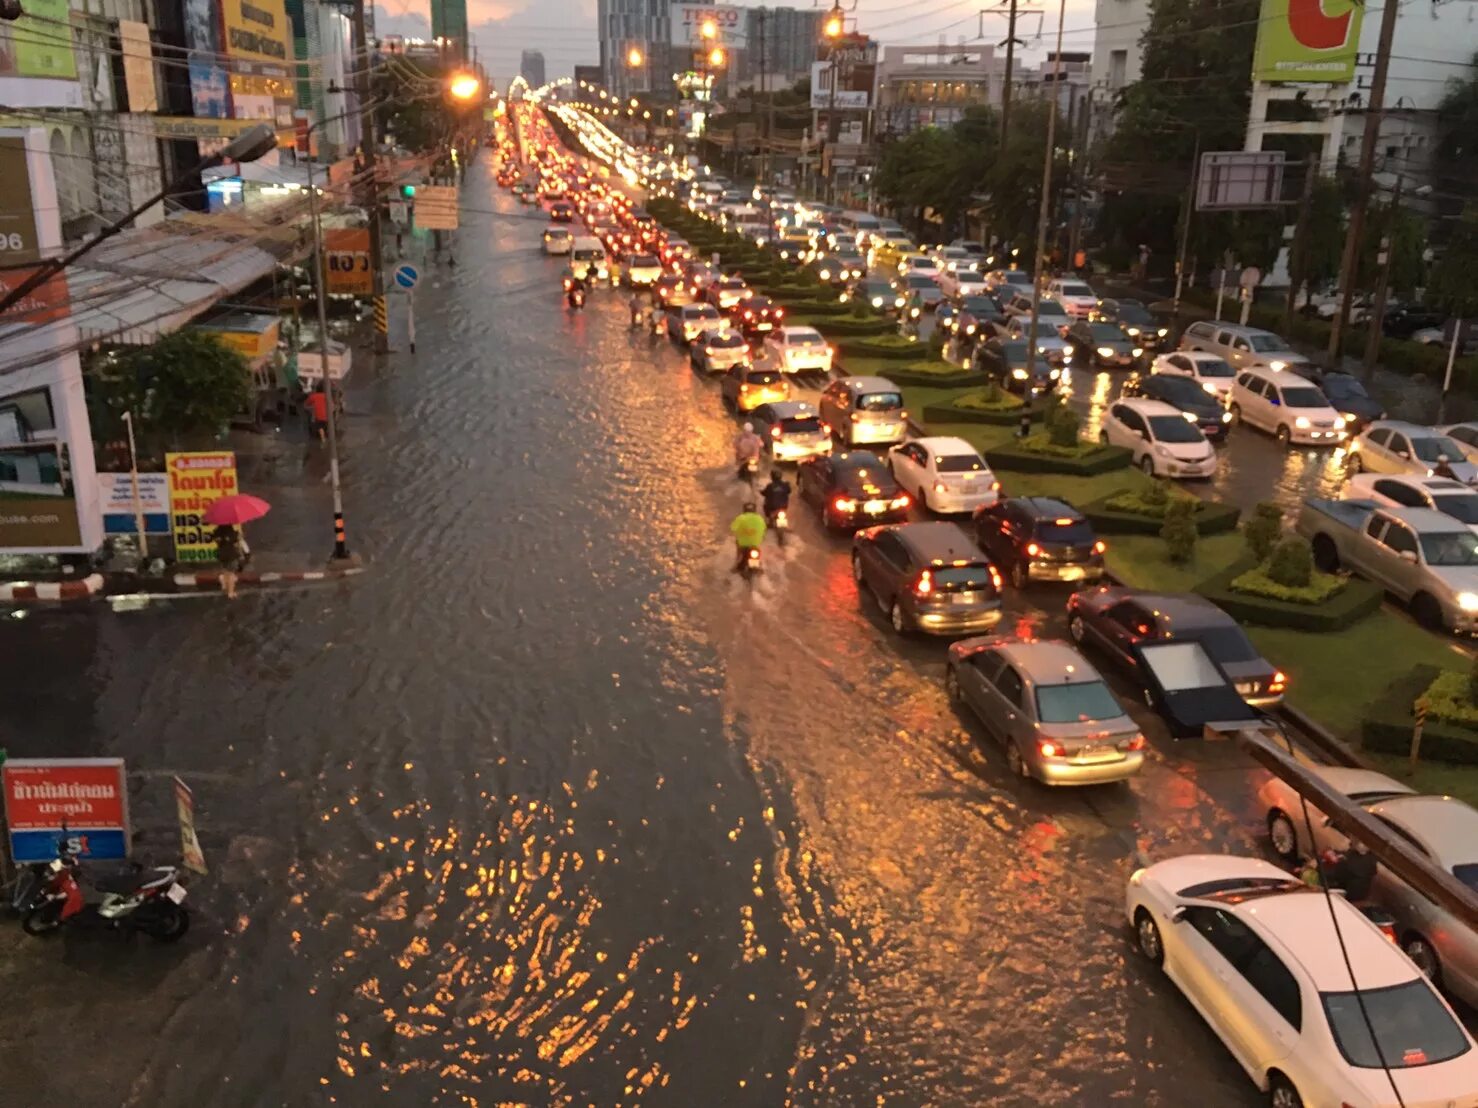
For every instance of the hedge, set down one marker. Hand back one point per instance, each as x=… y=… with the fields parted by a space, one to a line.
x=1004 y=417
x=823 y=308
x=1212 y=518
x=1388 y=723
x=956 y=378
x=851 y=326
x=1105 y=459
x=1358 y=599
x=871 y=348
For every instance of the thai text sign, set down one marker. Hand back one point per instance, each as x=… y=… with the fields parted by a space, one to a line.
x=196 y=481
x=436 y=208
x=116 y=490
x=86 y=796
x=190 y=852
x=346 y=253
x=1307 y=40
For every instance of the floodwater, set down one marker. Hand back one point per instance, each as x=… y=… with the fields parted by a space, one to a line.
x=547 y=808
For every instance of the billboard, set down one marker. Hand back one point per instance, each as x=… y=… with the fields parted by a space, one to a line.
x=1307 y=40
x=854 y=89
x=138 y=66
x=347 y=260
x=87 y=796
x=116 y=493
x=258 y=40
x=39 y=43
x=210 y=88
x=196 y=481
x=688 y=19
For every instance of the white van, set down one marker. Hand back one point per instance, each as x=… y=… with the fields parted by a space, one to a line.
x=1287 y=406
x=589 y=253
x=861 y=224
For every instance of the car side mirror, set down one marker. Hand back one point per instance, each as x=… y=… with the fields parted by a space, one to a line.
x=1404 y=455
x=1178 y=915
x=1409 y=556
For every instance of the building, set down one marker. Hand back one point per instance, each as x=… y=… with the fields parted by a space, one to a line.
x=924 y=86
x=531 y=68
x=779 y=45
x=1072 y=72
x=1118 y=55
x=449 y=24
x=323 y=32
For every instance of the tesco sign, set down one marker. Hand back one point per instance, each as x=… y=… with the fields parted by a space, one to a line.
x=86 y=797
x=688 y=19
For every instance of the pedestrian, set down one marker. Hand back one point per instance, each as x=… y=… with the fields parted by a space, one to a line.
x=1080 y=262
x=318 y=410
x=228 y=554
x=1144 y=261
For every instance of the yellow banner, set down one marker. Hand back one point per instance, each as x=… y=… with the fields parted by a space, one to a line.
x=196 y=481
x=258 y=30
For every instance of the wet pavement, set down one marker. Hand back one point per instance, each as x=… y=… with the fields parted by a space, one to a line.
x=548 y=808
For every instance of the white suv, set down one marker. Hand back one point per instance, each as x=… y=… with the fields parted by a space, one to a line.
x=1079 y=300
x=1287 y=406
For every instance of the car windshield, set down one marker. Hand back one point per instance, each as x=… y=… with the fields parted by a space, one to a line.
x=1133 y=313
x=1016 y=277
x=1434 y=447
x=731 y=283
x=588 y=255
x=1450 y=548
x=644 y=260
x=1266 y=344
x=1178 y=390
x=1014 y=352
x=800 y=425
x=1082 y=702
x=1212 y=367
x=1339 y=387
x=919 y=281
x=1175 y=428
x=1066 y=530
x=725 y=342
x=1463 y=506
x=1050 y=307
x=959 y=463
x=701 y=311
x=1412 y=1027
x=1072 y=289
x=804 y=338
x=1304 y=396
x=979 y=305
x=1225 y=644
x=1105 y=332
x=879 y=401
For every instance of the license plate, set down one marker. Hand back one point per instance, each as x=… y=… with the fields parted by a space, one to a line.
x=1245 y=688
x=1071 y=573
x=962 y=599
x=874 y=506
x=176 y=893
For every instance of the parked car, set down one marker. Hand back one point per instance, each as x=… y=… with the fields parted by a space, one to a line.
x=1074 y=295
x=1393 y=446
x=1135 y=320
x=927 y=577
x=1103 y=345
x=688 y=323
x=1048 y=708
x=1243 y=347
x=1347 y=396
x=1210 y=371
x=1035 y=538
x=798 y=350
x=1426 y=559
x=865 y=410
x=1287 y=406
x=745 y=387
x=1466 y=436
x=1006 y=361
x=947 y=474
x=1187 y=397
x=1288 y=833
x=1266 y=960
x=1442 y=494
x=1116 y=620
x=1162 y=441
x=852 y=489
x=719 y=351
x=791 y=430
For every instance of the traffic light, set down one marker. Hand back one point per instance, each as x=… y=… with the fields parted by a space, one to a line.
x=408 y=191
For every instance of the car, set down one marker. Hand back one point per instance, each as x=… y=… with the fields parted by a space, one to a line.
x=922 y=290
x=1005 y=360
x=1289 y=833
x=890 y=253
x=1135 y=320
x=1211 y=371
x=676 y=250
x=947 y=474
x=865 y=410
x=1243 y=347
x=1187 y=397
x=1047 y=706
x=791 y=430
x=1442 y=494
x=1036 y=538
x=724 y=292
x=1286 y=406
x=558 y=240
x=793 y=245
x=643 y=270
x=852 y=488
x=673 y=291
x=1052 y=319
x=745 y=387
x=922 y=264
x=1075 y=296
x=1008 y=282
x=756 y=315
x=1268 y=961
x=927 y=577
x=961 y=282
x=719 y=351
x=843 y=242
x=975 y=250
x=1115 y=620
x=1401 y=321
x=954 y=259
x=562 y=211
x=980 y=316
x=1347 y=396
x=1102 y=344
x=588 y=256
x=688 y=323
x=1159 y=437
x=798 y=350
x=1051 y=346
x=700 y=275
x=1394 y=446
x=881 y=294
x=1466 y=436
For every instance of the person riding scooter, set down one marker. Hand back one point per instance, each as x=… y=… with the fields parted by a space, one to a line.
x=748 y=530
x=576 y=296
x=747 y=449
x=776 y=496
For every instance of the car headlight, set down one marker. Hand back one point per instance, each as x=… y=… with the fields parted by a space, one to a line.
x=1137 y=352
x=1277 y=366
x=1350 y=417
x=1189 y=417
x=1105 y=351
x=1339 y=423
x=1164 y=331
x=1209 y=387
x=1226 y=417
x=826 y=275
x=1055 y=374
x=1132 y=332
x=1301 y=423
x=1019 y=374
x=1468 y=601
x=877 y=301
x=1163 y=451
x=970 y=330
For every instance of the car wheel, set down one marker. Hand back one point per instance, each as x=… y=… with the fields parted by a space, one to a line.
x=1354 y=463
x=1427 y=611
x=857 y=569
x=1014 y=761
x=1285 y=436
x=1326 y=554
x=898 y=619
x=1235 y=412
x=1147 y=937
x=1282 y=1094
x=1420 y=951
x=1018 y=576
x=1076 y=629
x=952 y=685
x=1282 y=836
x=1147 y=464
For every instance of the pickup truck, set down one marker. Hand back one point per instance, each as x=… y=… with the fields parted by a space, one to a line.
x=1426 y=559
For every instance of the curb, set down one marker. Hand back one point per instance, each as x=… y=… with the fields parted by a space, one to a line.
x=84 y=589
x=212 y=579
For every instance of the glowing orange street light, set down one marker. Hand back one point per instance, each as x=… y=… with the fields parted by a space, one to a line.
x=716 y=56
x=708 y=29
x=464 y=86
x=832 y=28
x=634 y=57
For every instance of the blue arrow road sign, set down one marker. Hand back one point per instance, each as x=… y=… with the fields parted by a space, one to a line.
x=406 y=276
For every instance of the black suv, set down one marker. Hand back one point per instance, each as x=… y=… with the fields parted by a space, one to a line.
x=853 y=488
x=1034 y=538
x=928 y=577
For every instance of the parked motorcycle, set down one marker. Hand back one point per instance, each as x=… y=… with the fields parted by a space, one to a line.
x=136 y=899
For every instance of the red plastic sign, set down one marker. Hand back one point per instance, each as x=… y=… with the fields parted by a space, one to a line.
x=88 y=796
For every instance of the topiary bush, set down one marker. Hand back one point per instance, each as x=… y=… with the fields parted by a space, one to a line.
x=1179 y=530
x=1292 y=563
x=1261 y=530
x=1063 y=426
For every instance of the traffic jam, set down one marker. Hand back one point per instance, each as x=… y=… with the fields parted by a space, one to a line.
x=1330 y=980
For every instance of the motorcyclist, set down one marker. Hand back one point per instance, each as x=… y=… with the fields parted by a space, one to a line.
x=638 y=309
x=746 y=447
x=1353 y=871
x=577 y=290
x=748 y=530
x=775 y=495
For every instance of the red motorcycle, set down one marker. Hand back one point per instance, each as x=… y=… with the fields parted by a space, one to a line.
x=136 y=899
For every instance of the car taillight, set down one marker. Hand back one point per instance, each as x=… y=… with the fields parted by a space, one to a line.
x=1100 y=546
x=775 y=432
x=1032 y=550
x=1050 y=749
x=900 y=501
x=995 y=578
x=842 y=504
x=856 y=416
x=925 y=584
x=825 y=428
x=1278 y=683
x=779 y=312
x=995 y=486
x=1136 y=743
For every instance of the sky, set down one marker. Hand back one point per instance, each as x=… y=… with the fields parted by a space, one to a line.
x=564 y=30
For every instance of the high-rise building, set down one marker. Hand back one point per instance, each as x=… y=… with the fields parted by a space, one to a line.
x=449 y=21
x=531 y=67
x=780 y=43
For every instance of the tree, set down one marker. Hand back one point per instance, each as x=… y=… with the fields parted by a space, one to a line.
x=1452 y=288
x=1324 y=233
x=1179 y=530
x=1457 y=128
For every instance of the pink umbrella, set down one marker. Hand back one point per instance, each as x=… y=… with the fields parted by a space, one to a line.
x=237 y=509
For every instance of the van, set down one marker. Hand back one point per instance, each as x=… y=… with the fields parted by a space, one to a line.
x=861 y=224
x=588 y=253
x=865 y=410
x=1287 y=406
x=1242 y=347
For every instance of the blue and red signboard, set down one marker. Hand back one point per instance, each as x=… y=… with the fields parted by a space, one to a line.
x=88 y=797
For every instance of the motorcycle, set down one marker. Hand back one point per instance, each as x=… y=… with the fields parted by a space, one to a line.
x=748 y=468
x=779 y=521
x=750 y=567
x=137 y=899
x=1309 y=873
x=576 y=298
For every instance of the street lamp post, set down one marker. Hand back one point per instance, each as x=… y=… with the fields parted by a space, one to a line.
x=832 y=29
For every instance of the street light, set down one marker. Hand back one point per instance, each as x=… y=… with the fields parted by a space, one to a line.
x=716 y=56
x=708 y=29
x=833 y=26
x=635 y=58
x=464 y=86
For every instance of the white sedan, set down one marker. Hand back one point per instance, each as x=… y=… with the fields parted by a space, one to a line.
x=1288 y=833
x=948 y=474
x=797 y=349
x=961 y=282
x=1256 y=952
x=691 y=321
x=1209 y=371
x=558 y=240
x=1164 y=441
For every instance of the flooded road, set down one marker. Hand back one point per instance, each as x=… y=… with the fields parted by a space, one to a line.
x=546 y=808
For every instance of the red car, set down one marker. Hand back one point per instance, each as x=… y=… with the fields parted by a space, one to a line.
x=757 y=315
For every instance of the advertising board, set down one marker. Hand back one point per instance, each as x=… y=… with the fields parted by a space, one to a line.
x=688 y=19
x=1307 y=40
x=86 y=796
x=347 y=259
x=854 y=88
x=115 y=491
x=39 y=42
x=196 y=481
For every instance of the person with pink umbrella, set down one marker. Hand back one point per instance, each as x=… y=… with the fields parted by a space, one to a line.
x=228 y=514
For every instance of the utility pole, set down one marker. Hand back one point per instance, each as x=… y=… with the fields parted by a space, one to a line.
x=763 y=16
x=1185 y=237
x=1046 y=205
x=369 y=141
x=1375 y=318
x=1300 y=244
x=1080 y=175
x=1373 y=112
x=1006 y=83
